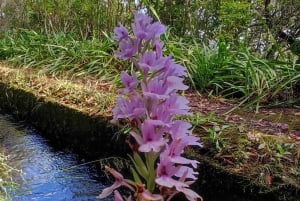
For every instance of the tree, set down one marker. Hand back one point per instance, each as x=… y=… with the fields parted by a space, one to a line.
x=276 y=26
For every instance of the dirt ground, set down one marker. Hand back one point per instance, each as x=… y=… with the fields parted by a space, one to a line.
x=263 y=146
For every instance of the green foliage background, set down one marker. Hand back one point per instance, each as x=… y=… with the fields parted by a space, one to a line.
x=250 y=22
x=245 y=49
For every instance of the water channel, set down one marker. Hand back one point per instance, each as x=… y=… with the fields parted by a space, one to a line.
x=48 y=173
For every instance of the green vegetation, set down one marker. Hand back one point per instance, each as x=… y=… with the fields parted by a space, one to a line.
x=216 y=40
x=218 y=70
x=238 y=73
x=83 y=18
x=6 y=178
x=58 y=53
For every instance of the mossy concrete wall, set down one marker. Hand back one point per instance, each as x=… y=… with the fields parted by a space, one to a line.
x=91 y=136
x=216 y=184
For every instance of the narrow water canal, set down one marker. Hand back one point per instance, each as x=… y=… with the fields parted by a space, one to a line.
x=48 y=173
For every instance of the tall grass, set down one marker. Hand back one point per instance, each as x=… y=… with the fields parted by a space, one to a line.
x=238 y=74
x=257 y=81
x=202 y=61
x=212 y=68
x=60 y=53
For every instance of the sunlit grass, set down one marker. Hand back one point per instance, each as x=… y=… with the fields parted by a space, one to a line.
x=84 y=94
x=60 y=53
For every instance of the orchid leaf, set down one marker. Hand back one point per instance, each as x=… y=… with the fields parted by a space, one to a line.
x=139 y=165
x=135 y=175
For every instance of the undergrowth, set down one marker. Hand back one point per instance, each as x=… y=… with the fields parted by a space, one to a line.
x=254 y=81
x=59 y=53
x=213 y=69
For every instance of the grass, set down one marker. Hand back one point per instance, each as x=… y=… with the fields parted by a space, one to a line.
x=214 y=69
x=6 y=178
x=256 y=80
x=60 y=53
x=238 y=74
x=202 y=61
x=85 y=94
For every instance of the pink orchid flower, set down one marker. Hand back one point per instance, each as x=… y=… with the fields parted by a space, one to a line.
x=119 y=181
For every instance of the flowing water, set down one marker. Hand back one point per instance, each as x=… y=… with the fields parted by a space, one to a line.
x=48 y=173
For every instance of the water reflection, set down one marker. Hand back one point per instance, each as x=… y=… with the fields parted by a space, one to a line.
x=49 y=174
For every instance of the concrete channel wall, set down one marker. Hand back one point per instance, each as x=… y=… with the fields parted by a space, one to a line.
x=95 y=137
x=91 y=136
